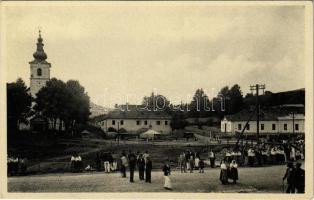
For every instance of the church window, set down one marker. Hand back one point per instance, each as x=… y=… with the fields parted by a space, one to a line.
x=39 y=72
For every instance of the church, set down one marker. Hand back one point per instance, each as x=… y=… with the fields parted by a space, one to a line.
x=39 y=75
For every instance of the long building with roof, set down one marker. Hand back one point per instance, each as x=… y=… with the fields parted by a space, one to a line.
x=270 y=122
x=134 y=120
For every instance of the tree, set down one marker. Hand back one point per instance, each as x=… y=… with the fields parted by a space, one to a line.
x=178 y=121
x=66 y=102
x=232 y=99
x=236 y=99
x=18 y=104
x=156 y=102
x=51 y=101
x=78 y=106
x=200 y=105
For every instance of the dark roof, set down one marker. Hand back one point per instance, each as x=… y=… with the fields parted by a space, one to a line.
x=245 y=115
x=132 y=113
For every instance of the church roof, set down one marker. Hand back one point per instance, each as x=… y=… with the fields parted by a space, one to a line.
x=39 y=55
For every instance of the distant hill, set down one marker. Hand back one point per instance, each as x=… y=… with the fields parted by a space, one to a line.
x=97 y=110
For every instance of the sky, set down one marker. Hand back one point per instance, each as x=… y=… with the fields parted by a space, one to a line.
x=123 y=51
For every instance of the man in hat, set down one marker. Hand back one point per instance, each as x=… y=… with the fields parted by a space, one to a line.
x=148 y=170
x=132 y=164
x=290 y=176
x=299 y=180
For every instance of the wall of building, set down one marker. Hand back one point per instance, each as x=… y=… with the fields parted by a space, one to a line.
x=37 y=82
x=132 y=126
x=233 y=127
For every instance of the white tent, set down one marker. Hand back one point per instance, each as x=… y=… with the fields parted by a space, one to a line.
x=149 y=134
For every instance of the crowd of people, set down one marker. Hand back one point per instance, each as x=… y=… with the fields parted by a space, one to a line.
x=190 y=161
x=112 y=162
x=17 y=165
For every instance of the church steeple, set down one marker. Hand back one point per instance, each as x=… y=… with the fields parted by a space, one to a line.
x=40 y=54
x=40 y=68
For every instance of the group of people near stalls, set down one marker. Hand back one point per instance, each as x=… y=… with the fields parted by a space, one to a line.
x=272 y=154
x=17 y=165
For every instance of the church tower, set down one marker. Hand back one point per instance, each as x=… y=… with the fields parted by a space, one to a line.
x=40 y=68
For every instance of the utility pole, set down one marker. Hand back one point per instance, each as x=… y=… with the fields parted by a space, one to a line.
x=256 y=88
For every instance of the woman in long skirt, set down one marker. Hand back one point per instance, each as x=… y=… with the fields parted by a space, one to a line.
x=234 y=171
x=223 y=173
x=167 y=172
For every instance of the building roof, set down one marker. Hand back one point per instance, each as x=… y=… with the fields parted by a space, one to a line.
x=245 y=115
x=133 y=113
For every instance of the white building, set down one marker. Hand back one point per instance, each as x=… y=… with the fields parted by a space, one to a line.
x=133 y=121
x=270 y=123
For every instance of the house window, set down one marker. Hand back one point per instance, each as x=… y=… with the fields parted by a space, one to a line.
x=239 y=126
x=138 y=122
x=39 y=72
x=273 y=127
x=285 y=127
x=166 y=123
x=262 y=127
x=248 y=127
x=296 y=127
x=113 y=122
x=121 y=122
x=145 y=122
x=103 y=123
x=158 y=122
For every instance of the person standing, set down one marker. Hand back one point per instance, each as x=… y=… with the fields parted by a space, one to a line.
x=182 y=162
x=191 y=163
x=167 y=171
x=148 y=170
x=115 y=161
x=197 y=162
x=290 y=176
x=106 y=162
x=141 y=166
x=223 y=173
x=145 y=155
x=299 y=181
x=187 y=158
x=234 y=171
x=251 y=157
x=292 y=154
x=228 y=156
x=212 y=159
x=132 y=164
x=124 y=165
x=273 y=156
x=23 y=165
x=98 y=162
x=201 y=165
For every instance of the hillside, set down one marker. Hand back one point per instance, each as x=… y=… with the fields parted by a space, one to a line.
x=97 y=110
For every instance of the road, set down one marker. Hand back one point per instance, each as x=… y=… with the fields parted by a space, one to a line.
x=257 y=179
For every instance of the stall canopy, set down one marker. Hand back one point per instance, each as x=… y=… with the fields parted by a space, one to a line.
x=149 y=134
